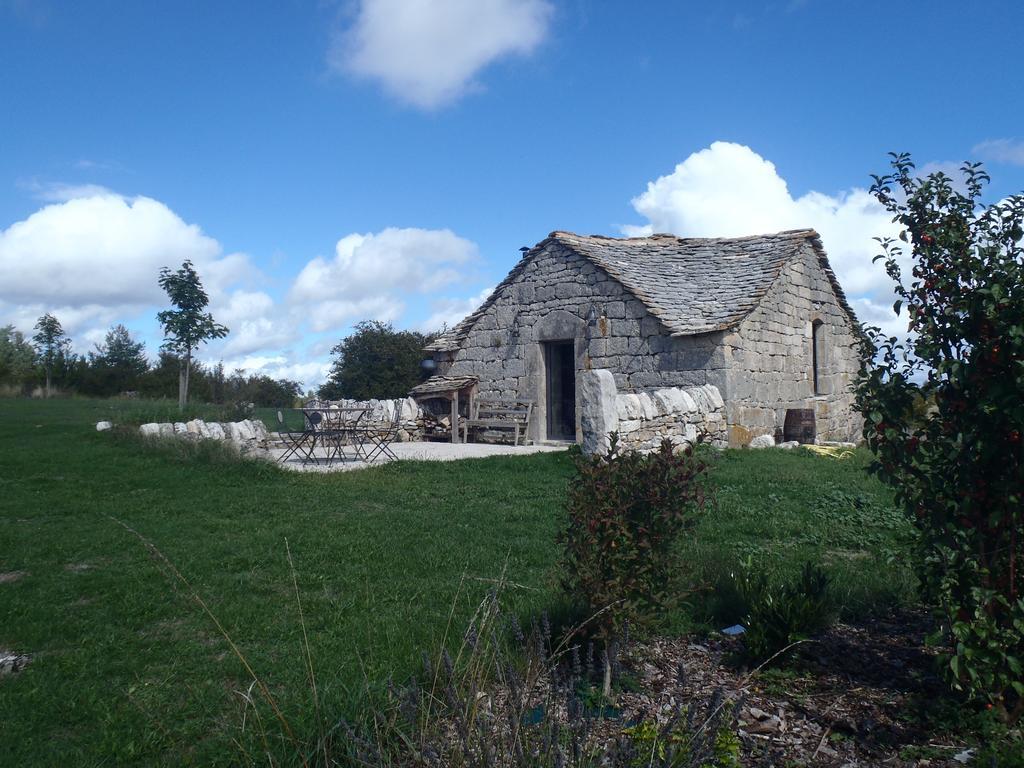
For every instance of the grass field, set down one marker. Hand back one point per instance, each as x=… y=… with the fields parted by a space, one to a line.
x=127 y=668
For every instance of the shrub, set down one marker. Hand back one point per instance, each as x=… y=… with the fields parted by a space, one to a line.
x=625 y=512
x=780 y=613
x=956 y=464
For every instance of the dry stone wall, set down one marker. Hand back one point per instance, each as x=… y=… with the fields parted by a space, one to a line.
x=642 y=420
x=383 y=411
x=247 y=434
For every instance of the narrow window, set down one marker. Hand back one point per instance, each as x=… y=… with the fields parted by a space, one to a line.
x=817 y=332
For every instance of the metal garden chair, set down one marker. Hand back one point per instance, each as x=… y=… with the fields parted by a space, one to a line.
x=382 y=435
x=298 y=442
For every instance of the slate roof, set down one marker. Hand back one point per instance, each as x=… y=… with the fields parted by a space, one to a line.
x=442 y=385
x=692 y=285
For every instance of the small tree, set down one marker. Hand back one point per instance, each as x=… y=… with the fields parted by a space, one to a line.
x=17 y=358
x=626 y=511
x=118 y=362
x=51 y=345
x=376 y=361
x=189 y=325
x=957 y=468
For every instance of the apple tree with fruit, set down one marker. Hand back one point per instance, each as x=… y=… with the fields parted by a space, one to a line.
x=956 y=465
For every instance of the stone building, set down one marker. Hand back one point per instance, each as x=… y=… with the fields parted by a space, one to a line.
x=665 y=336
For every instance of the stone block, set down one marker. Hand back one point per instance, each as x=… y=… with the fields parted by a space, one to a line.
x=625 y=327
x=648 y=408
x=615 y=310
x=616 y=345
x=103 y=426
x=628 y=427
x=714 y=395
x=598 y=411
x=670 y=401
x=410 y=410
x=150 y=430
x=650 y=326
x=629 y=407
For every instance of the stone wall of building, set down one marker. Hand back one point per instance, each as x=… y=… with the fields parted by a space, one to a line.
x=560 y=295
x=761 y=368
x=771 y=359
x=642 y=420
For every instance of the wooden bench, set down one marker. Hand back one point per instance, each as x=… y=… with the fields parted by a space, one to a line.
x=493 y=414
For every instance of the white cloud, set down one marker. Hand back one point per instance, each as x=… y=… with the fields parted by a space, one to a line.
x=93 y=259
x=1009 y=151
x=61 y=192
x=728 y=190
x=427 y=52
x=446 y=313
x=370 y=273
x=102 y=249
x=254 y=321
x=333 y=314
x=310 y=374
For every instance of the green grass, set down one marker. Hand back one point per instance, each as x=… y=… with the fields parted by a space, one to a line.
x=127 y=669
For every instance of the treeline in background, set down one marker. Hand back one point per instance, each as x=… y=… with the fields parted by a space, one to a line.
x=119 y=366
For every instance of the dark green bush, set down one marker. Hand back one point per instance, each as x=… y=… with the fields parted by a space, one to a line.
x=625 y=511
x=780 y=613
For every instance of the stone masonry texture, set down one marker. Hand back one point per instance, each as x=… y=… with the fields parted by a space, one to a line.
x=664 y=313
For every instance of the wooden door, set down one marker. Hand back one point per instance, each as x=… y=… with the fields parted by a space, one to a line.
x=560 y=384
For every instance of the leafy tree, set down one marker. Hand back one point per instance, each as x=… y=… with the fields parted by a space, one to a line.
x=957 y=467
x=17 y=358
x=51 y=344
x=118 y=363
x=376 y=362
x=189 y=325
x=263 y=390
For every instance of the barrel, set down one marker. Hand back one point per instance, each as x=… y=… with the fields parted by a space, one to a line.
x=799 y=425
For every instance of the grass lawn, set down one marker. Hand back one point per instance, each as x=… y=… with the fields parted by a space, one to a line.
x=127 y=669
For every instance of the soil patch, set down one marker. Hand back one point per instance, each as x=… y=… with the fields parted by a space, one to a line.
x=857 y=695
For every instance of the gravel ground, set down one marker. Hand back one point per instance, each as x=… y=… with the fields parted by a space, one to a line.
x=420 y=452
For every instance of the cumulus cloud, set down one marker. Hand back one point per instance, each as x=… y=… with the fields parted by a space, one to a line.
x=728 y=190
x=91 y=258
x=61 y=192
x=427 y=52
x=255 y=322
x=370 y=273
x=310 y=374
x=446 y=313
x=1009 y=151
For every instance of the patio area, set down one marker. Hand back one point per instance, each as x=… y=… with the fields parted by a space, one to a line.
x=414 y=451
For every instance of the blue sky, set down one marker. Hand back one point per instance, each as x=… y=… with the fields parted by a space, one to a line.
x=326 y=162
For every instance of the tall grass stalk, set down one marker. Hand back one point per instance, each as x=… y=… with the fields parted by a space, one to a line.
x=256 y=679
